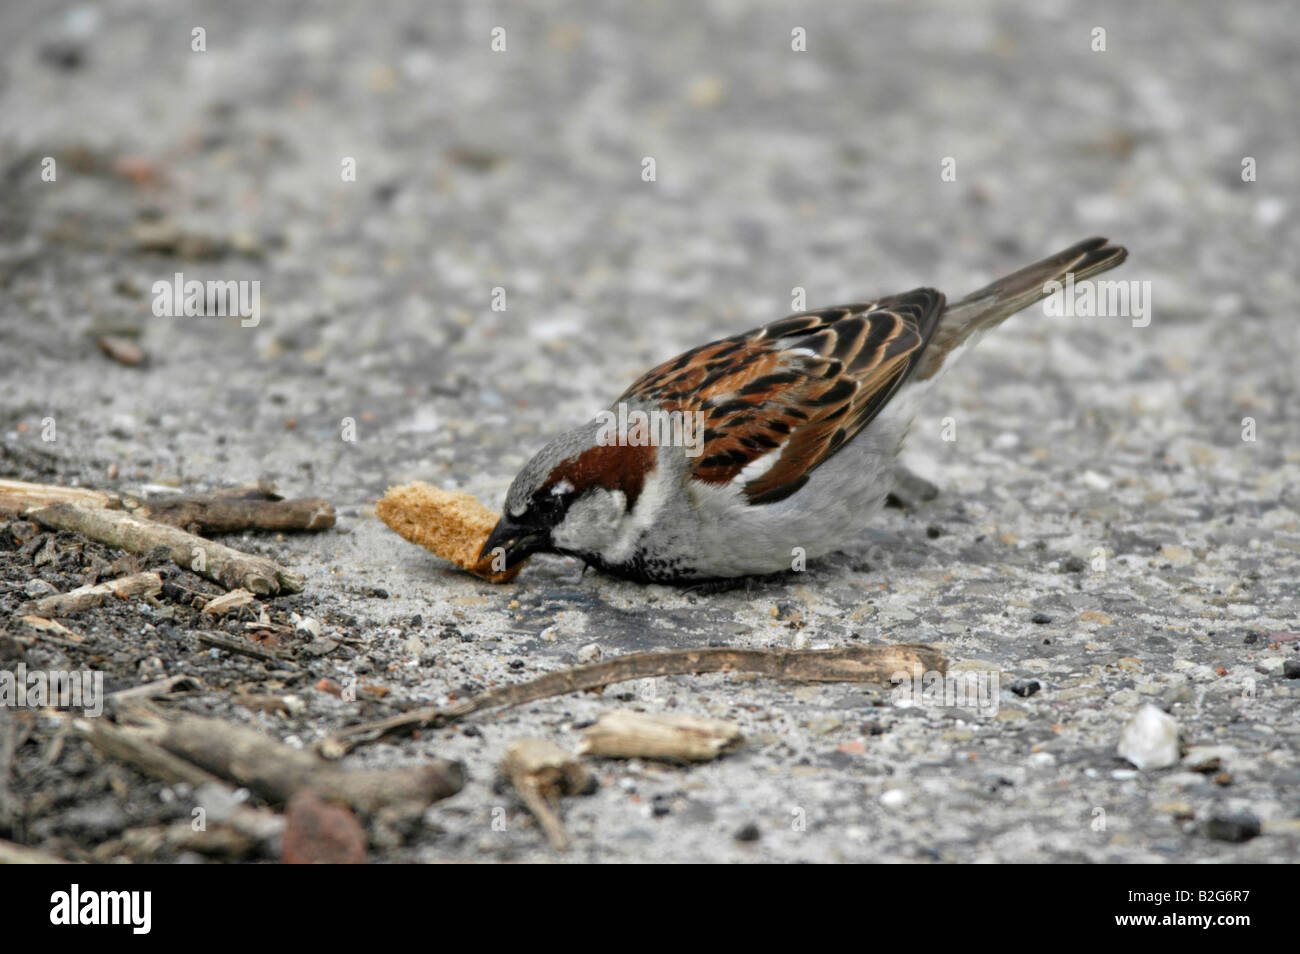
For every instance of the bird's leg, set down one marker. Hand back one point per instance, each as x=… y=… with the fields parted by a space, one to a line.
x=910 y=491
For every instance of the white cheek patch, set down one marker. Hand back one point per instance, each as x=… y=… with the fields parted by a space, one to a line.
x=562 y=488
x=591 y=523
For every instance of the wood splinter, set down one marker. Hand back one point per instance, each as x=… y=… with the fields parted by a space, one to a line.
x=625 y=734
x=542 y=772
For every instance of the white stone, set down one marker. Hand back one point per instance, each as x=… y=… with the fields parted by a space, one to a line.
x=1150 y=740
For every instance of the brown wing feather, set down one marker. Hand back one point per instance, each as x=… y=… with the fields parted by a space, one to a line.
x=803 y=386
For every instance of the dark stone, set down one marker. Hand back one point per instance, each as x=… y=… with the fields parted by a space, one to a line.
x=1025 y=688
x=1236 y=827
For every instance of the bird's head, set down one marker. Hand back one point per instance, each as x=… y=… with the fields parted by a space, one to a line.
x=574 y=497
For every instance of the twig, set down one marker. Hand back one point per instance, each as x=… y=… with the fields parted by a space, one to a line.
x=275 y=770
x=854 y=664
x=19 y=496
x=213 y=560
x=134 y=747
x=225 y=513
x=85 y=597
x=151 y=690
x=243 y=647
x=201 y=751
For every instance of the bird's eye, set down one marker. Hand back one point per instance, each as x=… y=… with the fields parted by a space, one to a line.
x=547 y=508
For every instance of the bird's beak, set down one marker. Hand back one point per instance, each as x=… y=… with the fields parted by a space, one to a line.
x=516 y=541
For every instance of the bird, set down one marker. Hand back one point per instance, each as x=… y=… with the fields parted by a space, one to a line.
x=786 y=443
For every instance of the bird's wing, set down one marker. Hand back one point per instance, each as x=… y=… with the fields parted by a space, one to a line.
x=781 y=399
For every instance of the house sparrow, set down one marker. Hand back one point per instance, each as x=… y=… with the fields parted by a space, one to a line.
x=787 y=438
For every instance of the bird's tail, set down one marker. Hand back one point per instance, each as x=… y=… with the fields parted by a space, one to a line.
x=998 y=301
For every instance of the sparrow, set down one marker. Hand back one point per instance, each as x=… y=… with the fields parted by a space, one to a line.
x=802 y=423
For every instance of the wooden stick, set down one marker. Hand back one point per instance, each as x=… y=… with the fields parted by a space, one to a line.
x=220 y=513
x=853 y=664
x=199 y=751
x=244 y=647
x=19 y=496
x=85 y=597
x=135 y=747
x=215 y=561
x=275 y=770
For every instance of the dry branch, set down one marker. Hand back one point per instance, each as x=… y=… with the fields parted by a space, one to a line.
x=85 y=597
x=224 y=513
x=19 y=496
x=854 y=664
x=202 y=751
x=215 y=561
x=243 y=647
x=275 y=770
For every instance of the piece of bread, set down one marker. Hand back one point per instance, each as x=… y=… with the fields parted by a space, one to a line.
x=452 y=524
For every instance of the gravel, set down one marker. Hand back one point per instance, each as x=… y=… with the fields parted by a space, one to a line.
x=1119 y=516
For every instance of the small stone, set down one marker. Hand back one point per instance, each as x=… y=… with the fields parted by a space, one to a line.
x=1150 y=740
x=309 y=625
x=1025 y=688
x=320 y=832
x=1236 y=826
x=1206 y=758
x=39 y=588
x=1040 y=618
x=589 y=653
x=933 y=532
x=894 y=798
x=1095 y=481
x=1291 y=668
x=1073 y=564
x=749 y=832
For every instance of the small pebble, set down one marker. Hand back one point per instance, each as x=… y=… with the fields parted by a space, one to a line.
x=38 y=588
x=749 y=832
x=1150 y=740
x=1040 y=618
x=1026 y=687
x=1235 y=826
